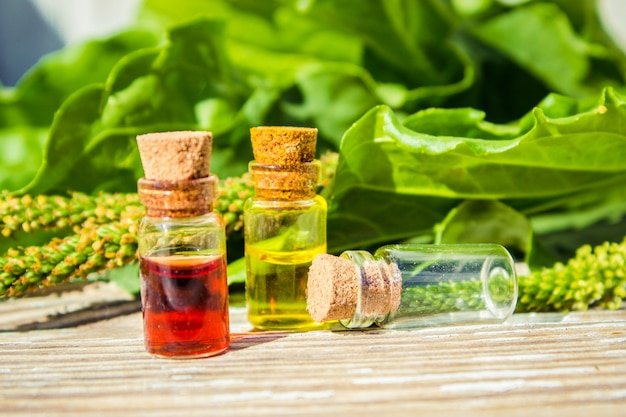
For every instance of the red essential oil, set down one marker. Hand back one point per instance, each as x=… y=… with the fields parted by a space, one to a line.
x=181 y=244
x=185 y=305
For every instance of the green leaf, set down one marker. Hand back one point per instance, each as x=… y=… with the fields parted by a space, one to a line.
x=92 y=146
x=126 y=277
x=335 y=95
x=236 y=271
x=405 y=35
x=487 y=221
x=69 y=136
x=20 y=155
x=394 y=181
x=539 y=37
x=42 y=90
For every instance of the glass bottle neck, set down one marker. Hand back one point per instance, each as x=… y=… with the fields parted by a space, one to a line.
x=178 y=198
x=285 y=182
x=379 y=289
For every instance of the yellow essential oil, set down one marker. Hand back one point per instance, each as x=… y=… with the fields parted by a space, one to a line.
x=281 y=241
x=284 y=227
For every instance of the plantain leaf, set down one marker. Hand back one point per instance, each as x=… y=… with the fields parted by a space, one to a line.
x=394 y=181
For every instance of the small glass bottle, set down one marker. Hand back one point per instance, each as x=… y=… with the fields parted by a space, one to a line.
x=182 y=249
x=284 y=227
x=404 y=286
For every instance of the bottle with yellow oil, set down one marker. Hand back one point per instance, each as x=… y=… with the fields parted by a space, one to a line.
x=284 y=227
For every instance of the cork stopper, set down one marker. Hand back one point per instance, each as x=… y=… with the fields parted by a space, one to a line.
x=284 y=166
x=177 y=180
x=283 y=145
x=175 y=156
x=352 y=286
x=332 y=288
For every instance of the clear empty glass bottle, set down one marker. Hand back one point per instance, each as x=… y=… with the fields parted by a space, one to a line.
x=403 y=286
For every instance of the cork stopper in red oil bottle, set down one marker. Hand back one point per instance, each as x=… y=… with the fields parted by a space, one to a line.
x=177 y=180
x=284 y=166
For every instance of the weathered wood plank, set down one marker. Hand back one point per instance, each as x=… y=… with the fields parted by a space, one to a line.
x=546 y=364
x=75 y=304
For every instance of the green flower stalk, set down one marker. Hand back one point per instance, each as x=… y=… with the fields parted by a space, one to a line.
x=441 y=298
x=328 y=163
x=92 y=249
x=233 y=193
x=593 y=277
x=42 y=212
x=104 y=227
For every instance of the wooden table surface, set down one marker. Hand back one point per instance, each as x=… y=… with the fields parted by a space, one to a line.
x=543 y=364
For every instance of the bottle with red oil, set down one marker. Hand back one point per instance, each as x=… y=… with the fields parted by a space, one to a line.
x=182 y=248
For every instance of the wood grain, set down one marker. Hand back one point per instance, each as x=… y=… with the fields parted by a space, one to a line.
x=543 y=364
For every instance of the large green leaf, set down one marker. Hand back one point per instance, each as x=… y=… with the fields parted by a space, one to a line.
x=27 y=110
x=403 y=35
x=540 y=37
x=487 y=221
x=20 y=155
x=91 y=145
x=394 y=181
x=42 y=90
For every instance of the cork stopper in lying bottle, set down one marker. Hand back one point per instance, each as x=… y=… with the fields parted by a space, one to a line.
x=177 y=181
x=284 y=166
x=332 y=288
x=353 y=286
